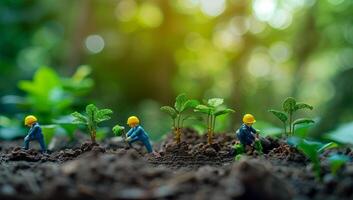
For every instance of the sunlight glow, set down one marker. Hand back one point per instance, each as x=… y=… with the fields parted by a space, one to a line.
x=264 y=9
x=212 y=8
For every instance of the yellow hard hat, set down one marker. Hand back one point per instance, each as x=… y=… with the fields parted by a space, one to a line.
x=30 y=119
x=133 y=120
x=249 y=119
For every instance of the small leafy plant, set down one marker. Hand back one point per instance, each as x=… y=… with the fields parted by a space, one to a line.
x=290 y=106
x=118 y=130
x=92 y=118
x=213 y=108
x=182 y=104
x=312 y=150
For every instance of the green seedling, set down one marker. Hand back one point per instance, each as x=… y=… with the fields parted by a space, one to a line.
x=312 y=150
x=118 y=130
x=213 y=109
x=92 y=118
x=238 y=157
x=336 y=162
x=290 y=106
x=239 y=148
x=258 y=147
x=182 y=104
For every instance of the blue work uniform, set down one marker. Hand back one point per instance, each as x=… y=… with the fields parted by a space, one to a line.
x=245 y=134
x=138 y=134
x=35 y=133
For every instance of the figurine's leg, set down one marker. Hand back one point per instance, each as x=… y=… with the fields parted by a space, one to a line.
x=42 y=144
x=148 y=145
x=26 y=143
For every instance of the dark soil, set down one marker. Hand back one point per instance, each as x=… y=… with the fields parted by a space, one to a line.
x=189 y=170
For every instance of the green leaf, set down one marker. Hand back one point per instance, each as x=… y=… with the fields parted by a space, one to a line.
x=203 y=109
x=342 y=134
x=189 y=104
x=303 y=121
x=214 y=102
x=224 y=111
x=170 y=111
x=289 y=105
x=180 y=101
x=91 y=111
x=118 y=130
x=103 y=115
x=79 y=118
x=48 y=133
x=329 y=145
x=280 y=115
x=299 y=106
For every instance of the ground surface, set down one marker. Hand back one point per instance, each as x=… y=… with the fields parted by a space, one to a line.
x=190 y=170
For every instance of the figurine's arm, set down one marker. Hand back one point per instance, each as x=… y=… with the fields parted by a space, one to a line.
x=136 y=132
x=253 y=130
x=32 y=131
x=128 y=134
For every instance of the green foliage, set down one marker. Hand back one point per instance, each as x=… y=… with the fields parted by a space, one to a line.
x=337 y=161
x=213 y=109
x=239 y=148
x=182 y=104
x=51 y=97
x=258 y=147
x=342 y=135
x=92 y=117
x=118 y=130
x=48 y=132
x=290 y=106
x=312 y=150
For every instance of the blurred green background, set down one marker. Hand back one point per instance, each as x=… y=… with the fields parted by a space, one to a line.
x=136 y=56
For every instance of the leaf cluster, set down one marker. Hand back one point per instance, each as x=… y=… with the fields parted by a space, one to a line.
x=290 y=106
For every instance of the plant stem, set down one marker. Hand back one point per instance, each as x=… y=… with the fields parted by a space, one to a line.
x=290 y=123
x=209 y=129
x=178 y=131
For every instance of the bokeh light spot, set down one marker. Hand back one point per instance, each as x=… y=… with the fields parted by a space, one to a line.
x=259 y=64
x=264 y=9
x=281 y=20
x=150 y=15
x=212 y=8
x=280 y=52
x=94 y=44
x=125 y=10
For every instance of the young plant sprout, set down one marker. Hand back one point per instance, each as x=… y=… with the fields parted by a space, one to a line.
x=92 y=118
x=118 y=130
x=312 y=150
x=182 y=104
x=213 y=109
x=290 y=106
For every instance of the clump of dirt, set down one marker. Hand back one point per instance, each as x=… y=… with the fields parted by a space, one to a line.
x=286 y=152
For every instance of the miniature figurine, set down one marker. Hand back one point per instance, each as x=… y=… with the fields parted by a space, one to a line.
x=247 y=135
x=137 y=133
x=35 y=133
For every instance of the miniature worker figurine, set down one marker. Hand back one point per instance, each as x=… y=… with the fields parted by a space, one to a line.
x=137 y=133
x=246 y=133
x=34 y=133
